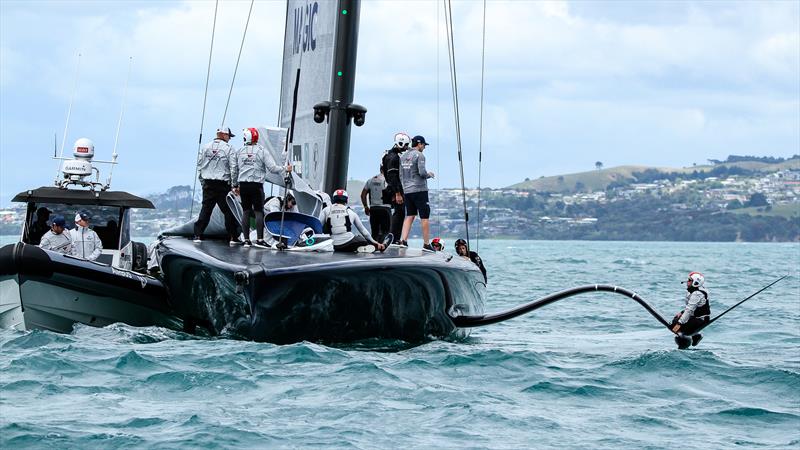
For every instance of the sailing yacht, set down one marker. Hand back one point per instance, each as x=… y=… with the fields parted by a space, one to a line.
x=290 y=296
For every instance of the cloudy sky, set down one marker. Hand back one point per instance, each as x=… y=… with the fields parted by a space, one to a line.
x=566 y=84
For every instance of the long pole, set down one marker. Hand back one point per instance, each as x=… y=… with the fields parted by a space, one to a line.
x=480 y=133
x=289 y=139
x=203 y=114
x=343 y=78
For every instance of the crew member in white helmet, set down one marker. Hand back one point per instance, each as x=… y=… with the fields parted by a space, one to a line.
x=56 y=239
x=213 y=164
x=86 y=243
x=338 y=221
x=697 y=311
x=249 y=166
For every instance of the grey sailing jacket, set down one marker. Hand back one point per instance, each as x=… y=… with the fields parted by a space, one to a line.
x=61 y=243
x=413 y=174
x=213 y=162
x=693 y=301
x=250 y=164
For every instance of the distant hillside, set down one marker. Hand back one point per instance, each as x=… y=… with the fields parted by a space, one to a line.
x=597 y=180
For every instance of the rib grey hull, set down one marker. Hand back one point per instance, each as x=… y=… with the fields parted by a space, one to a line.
x=48 y=291
x=285 y=297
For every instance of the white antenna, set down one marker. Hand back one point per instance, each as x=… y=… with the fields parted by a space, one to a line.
x=69 y=112
x=119 y=123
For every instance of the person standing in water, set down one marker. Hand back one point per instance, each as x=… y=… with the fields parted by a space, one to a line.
x=696 y=312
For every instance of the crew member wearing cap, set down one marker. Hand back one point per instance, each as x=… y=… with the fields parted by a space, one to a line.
x=214 y=167
x=86 y=243
x=56 y=239
x=414 y=177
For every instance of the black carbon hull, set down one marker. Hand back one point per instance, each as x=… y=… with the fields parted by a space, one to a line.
x=285 y=297
x=50 y=291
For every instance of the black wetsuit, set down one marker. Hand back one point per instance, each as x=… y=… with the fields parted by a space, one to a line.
x=473 y=256
x=391 y=170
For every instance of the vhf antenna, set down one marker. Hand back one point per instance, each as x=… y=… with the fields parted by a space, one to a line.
x=69 y=112
x=119 y=124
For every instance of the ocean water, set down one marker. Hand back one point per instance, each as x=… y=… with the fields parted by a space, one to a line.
x=588 y=372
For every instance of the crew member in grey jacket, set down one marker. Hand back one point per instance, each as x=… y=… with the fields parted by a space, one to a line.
x=414 y=177
x=56 y=239
x=697 y=311
x=249 y=166
x=213 y=164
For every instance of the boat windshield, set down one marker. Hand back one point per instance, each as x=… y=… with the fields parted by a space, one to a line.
x=105 y=221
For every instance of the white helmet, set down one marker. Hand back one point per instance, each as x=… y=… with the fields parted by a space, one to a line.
x=696 y=280
x=250 y=136
x=83 y=148
x=401 y=140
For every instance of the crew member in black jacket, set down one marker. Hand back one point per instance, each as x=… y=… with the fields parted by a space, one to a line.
x=394 y=188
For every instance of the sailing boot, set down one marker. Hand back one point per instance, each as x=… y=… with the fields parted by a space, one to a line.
x=696 y=339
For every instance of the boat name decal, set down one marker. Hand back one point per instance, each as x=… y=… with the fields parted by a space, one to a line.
x=305 y=38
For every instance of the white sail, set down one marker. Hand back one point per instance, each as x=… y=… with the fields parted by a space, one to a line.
x=308 y=45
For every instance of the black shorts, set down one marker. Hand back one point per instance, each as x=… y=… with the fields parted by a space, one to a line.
x=252 y=196
x=417 y=202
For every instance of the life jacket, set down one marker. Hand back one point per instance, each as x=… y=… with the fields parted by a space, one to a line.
x=705 y=308
x=338 y=221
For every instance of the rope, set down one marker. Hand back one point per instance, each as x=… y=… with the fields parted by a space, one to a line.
x=236 y=68
x=205 y=97
x=480 y=133
x=454 y=86
x=438 y=146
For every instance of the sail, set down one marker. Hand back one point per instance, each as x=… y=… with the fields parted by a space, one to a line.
x=308 y=44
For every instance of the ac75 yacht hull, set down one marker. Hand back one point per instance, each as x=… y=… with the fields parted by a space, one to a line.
x=285 y=297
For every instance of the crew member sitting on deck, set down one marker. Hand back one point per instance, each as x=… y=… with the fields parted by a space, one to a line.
x=274 y=204
x=338 y=221
x=56 y=239
x=437 y=244
x=463 y=251
x=697 y=311
x=86 y=243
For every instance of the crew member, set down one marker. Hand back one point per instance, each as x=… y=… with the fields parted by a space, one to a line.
x=437 y=244
x=39 y=227
x=378 y=211
x=697 y=311
x=394 y=187
x=56 y=239
x=249 y=166
x=213 y=164
x=86 y=243
x=338 y=221
x=414 y=177
x=463 y=251
x=274 y=204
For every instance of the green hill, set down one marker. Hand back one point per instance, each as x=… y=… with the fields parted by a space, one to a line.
x=595 y=180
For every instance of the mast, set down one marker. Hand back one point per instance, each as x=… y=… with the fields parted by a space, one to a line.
x=342 y=86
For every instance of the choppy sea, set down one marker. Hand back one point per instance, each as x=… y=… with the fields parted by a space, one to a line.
x=587 y=372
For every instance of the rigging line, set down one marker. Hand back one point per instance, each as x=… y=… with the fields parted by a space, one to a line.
x=438 y=146
x=480 y=127
x=69 y=112
x=238 y=58
x=454 y=86
x=119 y=123
x=203 y=115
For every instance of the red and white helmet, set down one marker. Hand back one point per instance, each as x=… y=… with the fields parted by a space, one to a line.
x=340 y=196
x=696 y=280
x=250 y=136
x=401 y=140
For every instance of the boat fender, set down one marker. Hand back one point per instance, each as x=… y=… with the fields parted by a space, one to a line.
x=139 y=257
x=21 y=258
